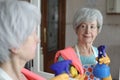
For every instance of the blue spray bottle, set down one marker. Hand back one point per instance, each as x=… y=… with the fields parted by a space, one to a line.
x=101 y=70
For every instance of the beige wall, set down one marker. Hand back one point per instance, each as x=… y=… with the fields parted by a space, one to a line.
x=110 y=35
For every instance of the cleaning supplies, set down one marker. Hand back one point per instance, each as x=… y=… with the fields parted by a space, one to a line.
x=101 y=70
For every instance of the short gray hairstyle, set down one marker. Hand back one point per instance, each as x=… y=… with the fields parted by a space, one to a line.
x=18 y=19
x=88 y=14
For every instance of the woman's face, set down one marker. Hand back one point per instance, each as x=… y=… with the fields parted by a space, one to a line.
x=28 y=49
x=87 y=32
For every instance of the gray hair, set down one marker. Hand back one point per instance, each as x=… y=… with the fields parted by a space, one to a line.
x=86 y=15
x=18 y=19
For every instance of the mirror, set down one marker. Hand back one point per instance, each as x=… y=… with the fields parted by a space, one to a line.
x=113 y=6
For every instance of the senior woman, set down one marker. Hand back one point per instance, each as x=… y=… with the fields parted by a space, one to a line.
x=87 y=24
x=18 y=39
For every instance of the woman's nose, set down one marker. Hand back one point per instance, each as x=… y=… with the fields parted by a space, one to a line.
x=87 y=30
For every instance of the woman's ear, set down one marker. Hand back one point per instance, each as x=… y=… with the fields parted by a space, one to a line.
x=13 y=50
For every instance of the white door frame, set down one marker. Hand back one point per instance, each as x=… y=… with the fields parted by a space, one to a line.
x=38 y=60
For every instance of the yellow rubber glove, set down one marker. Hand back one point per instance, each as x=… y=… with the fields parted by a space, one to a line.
x=107 y=78
x=73 y=71
x=63 y=76
x=74 y=74
x=104 y=60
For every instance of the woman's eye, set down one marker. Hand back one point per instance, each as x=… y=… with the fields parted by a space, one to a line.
x=83 y=26
x=93 y=27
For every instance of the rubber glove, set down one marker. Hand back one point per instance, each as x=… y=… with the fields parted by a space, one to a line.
x=108 y=78
x=63 y=76
x=31 y=76
x=104 y=60
x=73 y=71
x=74 y=74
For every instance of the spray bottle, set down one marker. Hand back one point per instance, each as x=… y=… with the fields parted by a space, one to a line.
x=101 y=70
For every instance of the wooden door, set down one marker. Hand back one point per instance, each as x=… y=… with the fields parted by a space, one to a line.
x=52 y=29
